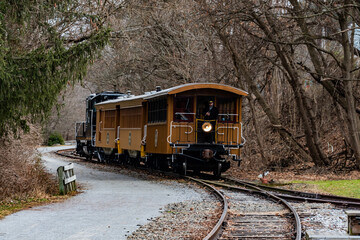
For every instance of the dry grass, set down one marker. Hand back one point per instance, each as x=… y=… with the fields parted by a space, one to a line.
x=22 y=175
x=9 y=207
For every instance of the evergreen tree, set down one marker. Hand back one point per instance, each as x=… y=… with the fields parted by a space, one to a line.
x=44 y=45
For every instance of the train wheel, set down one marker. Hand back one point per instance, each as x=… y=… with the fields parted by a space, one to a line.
x=148 y=162
x=157 y=163
x=135 y=162
x=163 y=164
x=217 y=170
x=127 y=160
x=166 y=165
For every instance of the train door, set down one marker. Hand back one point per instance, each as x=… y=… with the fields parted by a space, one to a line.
x=202 y=105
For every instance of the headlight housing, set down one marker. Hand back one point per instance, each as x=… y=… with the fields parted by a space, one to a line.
x=206 y=127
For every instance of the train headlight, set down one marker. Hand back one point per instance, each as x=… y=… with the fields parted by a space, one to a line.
x=206 y=127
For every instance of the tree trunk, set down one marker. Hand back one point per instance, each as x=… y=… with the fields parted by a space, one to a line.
x=303 y=104
x=347 y=101
x=259 y=140
x=240 y=67
x=352 y=118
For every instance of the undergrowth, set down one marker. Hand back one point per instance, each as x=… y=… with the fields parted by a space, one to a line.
x=23 y=178
x=55 y=138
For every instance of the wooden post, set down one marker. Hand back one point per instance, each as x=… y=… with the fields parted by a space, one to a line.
x=66 y=179
x=60 y=172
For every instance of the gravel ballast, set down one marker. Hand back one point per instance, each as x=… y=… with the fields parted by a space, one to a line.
x=187 y=219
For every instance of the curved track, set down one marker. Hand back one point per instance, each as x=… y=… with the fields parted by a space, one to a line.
x=69 y=153
x=269 y=226
x=215 y=232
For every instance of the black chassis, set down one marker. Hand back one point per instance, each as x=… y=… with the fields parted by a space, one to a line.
x=192 y=153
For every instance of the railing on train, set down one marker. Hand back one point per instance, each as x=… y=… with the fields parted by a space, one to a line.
x=188 y=131
x=227 y=123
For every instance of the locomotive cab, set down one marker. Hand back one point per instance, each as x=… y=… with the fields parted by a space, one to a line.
x=85 y=131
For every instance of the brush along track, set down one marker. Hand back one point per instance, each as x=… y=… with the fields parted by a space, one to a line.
x=254 y=218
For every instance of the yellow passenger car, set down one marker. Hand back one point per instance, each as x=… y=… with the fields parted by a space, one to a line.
x=192 y=126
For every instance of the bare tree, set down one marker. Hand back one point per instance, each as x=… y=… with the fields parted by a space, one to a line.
x=342 y=16
x=280 y=33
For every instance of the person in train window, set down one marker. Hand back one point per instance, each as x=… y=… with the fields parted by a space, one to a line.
x=212 y=112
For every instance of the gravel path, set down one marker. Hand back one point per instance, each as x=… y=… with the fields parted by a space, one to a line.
x=112 y=206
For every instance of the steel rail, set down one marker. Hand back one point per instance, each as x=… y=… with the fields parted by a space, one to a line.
x=268 y=194
x=303 y=196
x=216 y=230
x=61 y=153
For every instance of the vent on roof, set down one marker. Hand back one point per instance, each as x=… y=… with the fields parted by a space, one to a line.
x=158 y=88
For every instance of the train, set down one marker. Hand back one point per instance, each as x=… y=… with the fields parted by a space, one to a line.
x=194 y=126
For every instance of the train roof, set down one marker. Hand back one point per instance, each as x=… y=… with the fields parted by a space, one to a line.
x=175 y=90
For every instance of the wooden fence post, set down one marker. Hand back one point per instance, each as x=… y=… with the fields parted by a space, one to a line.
x=66 y=178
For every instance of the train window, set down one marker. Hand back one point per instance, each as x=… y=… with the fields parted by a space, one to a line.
x=110 y=119
x=227 y=109
x=183 y=109
x=157 y=110
x=131 y=117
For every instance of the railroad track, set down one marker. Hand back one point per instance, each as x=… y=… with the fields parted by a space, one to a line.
x=299 y=196
x=281 y=223
x=69 y=153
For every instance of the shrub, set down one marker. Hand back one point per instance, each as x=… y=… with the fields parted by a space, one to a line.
x=22 y=174
x=55 y=138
